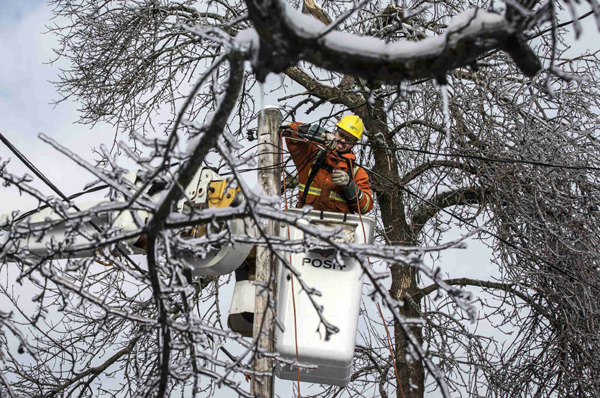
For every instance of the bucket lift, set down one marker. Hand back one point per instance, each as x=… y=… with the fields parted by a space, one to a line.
x=340 y=284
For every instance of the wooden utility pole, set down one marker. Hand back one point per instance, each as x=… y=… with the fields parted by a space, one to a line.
x=269 y=177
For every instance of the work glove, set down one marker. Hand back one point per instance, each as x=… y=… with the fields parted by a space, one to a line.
x=290 y=129
x=341 y=178
x=328 y=139
x=286 y=131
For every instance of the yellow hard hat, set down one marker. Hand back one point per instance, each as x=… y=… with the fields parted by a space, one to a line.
x=353 y=125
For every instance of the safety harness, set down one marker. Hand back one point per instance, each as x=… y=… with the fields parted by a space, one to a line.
x=320 y=163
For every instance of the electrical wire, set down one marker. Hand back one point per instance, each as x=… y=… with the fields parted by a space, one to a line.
x=474 y=157
x=42 y=177
x=482 y=158
x=478 y=157
x=32 y=167
x=74 y=196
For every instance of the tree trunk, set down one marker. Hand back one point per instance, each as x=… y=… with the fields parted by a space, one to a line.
x=410 y=372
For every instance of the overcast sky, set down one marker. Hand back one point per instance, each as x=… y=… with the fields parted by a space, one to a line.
x=26 y=95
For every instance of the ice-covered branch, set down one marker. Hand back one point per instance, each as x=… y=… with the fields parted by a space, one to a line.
x=455 y=197
x=288 y=36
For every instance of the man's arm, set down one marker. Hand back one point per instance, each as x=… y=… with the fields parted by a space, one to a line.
x=301 y=151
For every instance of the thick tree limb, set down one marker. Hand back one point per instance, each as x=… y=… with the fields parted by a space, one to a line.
x=417 y=122
x=456 y=197
x=335 y=95
x=202 y=146
x=288 y=36
x=430 y=164
x=506 y=287
x=198 y=152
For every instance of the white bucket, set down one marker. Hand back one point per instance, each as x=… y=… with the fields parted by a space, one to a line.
x=340 y=286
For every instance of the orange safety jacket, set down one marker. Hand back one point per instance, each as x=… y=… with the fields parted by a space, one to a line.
x=322 y=193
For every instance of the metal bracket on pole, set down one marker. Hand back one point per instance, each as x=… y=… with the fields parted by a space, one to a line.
x=269 y=177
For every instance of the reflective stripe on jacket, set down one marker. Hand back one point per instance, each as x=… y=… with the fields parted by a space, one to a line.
x=323 y=194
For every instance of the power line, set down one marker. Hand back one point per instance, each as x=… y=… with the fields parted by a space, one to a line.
x=482 y=158
x=494 y=235
x=32 y=167
x=478 y=157
x=38 y=173
x=71 y=197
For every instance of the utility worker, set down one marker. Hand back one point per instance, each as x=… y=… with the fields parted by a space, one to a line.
x=329 y=178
